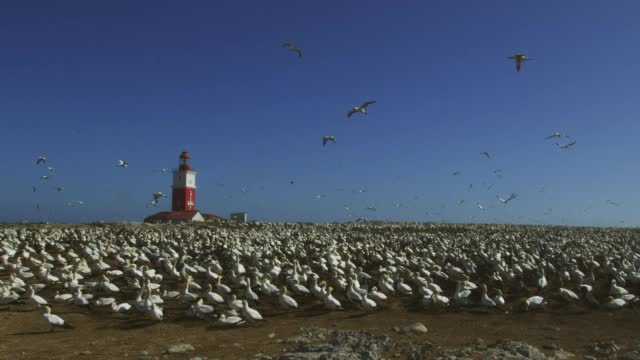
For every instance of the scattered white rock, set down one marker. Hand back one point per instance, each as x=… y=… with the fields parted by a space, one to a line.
x=180 y=348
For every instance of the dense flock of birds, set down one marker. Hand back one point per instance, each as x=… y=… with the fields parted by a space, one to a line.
x=234 y=273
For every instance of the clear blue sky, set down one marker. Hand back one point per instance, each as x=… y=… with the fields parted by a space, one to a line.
x=88 y=83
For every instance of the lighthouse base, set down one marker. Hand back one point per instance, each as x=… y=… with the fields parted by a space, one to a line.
x=180 y=217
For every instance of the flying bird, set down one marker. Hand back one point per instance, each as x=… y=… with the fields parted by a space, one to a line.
x=51 y=168
x=152 y=203
x=294 y=48
x=45 y=177
x=122 y=164
x=511 y=197
x=566 y=146
x=291 y=182
x=519 y=58
x=158 y=195
x=554 y=135
x=486 y=154
x=326 y=139
x=59 y=188
x=480 y=206
x=460 y=202
x=371 y=208
x=361 y=109
x=612 y=203
x=456 y=173
x=41 y=159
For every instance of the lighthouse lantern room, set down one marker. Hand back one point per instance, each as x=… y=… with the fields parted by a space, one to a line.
x=183 y=196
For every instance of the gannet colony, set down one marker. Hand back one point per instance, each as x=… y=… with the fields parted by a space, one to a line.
x=230 y=273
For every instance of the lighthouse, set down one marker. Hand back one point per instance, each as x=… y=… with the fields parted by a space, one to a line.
x=183 y=197
x=183 y=190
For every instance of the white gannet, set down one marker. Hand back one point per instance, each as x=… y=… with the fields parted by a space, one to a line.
x=155 y=312
x=534 y=302
x=249 y=294
x=35 y=299
x=213 y=297
x=230 y=320
x=519 y=59
x=249 y=313
x=367 y=304
x=41 y=159
x=554 y=135
x=361 y=108
x=104 y=301
x=461 y=296
x=326 y=139
x=53 y=321
x=120 y=308
x=331 y=302
x=233 y=303
x=122 y=164
x=486 y=301
x=377 y=295
x=285 y=300
x=199 y=308
x=498 y=299
x=615 y=304
x=616 y=290
x=293 y=48
x=567 y=146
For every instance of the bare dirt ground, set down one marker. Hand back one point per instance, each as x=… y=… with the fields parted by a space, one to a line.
x=99 y=334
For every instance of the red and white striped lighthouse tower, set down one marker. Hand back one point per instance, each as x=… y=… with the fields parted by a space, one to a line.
x=183 y=197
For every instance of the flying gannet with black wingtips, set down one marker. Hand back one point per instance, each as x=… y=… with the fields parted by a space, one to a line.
x=361 y=109
x=554 y=135
x=122 y=164
x=511 y=197
x=45 y=177
x=519 y=58
x=486 y=154
x=326 y=139
x=293 y=48
x=567 y=146
x=41 y=159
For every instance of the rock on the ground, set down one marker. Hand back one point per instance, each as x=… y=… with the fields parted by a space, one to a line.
x=316 y=344
x=180 y=348
x=563 y=355
x=416 y=328
x=513 y=350
x=634 y=354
